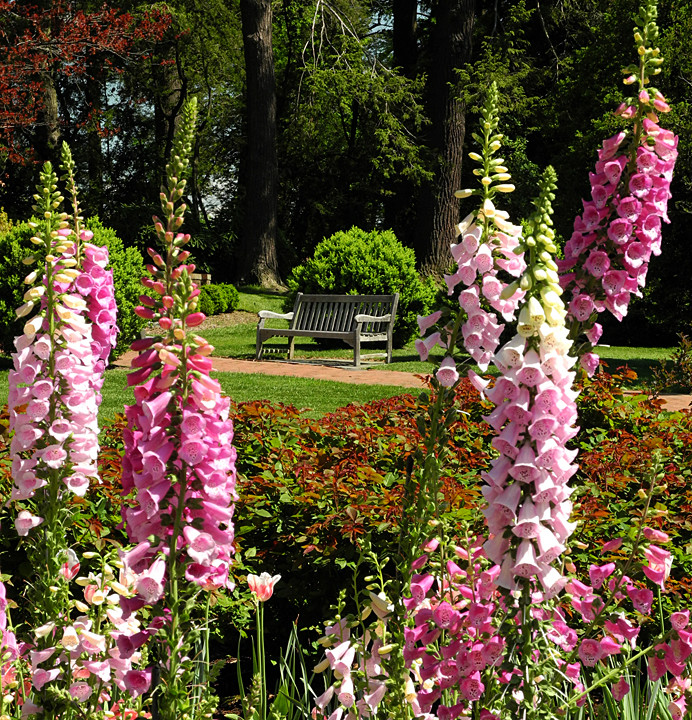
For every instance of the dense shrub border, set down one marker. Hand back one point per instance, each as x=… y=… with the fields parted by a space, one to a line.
x=310 y=491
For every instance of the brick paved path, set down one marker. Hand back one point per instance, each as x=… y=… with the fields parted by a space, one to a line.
x=341 y=373
x=347 y=374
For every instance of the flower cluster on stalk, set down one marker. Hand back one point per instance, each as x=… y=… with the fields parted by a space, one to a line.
x=526 y=489
x=179 y=463
x=495 y=629
x=89 y=660
x=52 y=405
x=179 y=458
x=607 y=257
x=488 y=250
x=54 y=397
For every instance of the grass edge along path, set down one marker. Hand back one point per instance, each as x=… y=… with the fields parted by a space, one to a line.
x=314 y=398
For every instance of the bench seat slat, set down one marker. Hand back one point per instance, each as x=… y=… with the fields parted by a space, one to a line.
x=287 y=332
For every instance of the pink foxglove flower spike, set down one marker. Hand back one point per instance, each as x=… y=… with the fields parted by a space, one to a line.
x=179 y=461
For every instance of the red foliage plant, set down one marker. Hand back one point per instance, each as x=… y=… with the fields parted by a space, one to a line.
x=621 y=439
x=305 y=486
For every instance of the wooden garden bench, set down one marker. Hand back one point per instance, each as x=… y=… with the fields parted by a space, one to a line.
x=355 y=319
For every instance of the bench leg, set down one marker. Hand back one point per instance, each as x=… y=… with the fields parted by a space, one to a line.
x=356 y=352
x=389 y=349
x=259 y=346
x=291 y=347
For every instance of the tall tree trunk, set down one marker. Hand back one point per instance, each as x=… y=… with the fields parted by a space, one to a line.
x=258 y=260
x=171 y=93
x=48 y=134
x=450 y=49
x=401 y=206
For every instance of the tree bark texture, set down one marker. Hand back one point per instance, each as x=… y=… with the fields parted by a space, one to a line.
x=258 y=260
x=48 y=134
x=401 y=206
x=171 y=93
x=450 y=49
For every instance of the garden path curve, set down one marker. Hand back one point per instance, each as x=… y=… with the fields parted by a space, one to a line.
x=316 y=371
x=348 y=374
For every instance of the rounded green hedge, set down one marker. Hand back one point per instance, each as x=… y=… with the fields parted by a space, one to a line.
x=232 y=297
x=205 y=301
x=366 y=263
x=217 y=298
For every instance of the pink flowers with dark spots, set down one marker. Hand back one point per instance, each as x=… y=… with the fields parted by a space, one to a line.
x=619 y=230
x=179 y=453
x=179 y=461
x=97 y=288
x=55 y=384
x=527 y=494
x=486 y=254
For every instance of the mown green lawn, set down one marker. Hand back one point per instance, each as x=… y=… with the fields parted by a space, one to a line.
x=239 y=342
x=315 y=397
x=318 y=397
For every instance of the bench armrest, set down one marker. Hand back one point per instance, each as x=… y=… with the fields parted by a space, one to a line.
x=373 y=318
x=269 y=315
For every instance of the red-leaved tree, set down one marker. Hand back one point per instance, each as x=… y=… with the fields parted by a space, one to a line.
x=52 y=40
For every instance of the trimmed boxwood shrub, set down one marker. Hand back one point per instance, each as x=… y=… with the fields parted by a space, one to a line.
x=127 y=265
x=218 y=297
x=215 y=299
x=205 y=302
x=232 y=297
x=362 y=263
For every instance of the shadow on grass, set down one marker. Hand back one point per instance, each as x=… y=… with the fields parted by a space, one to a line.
x=256 y=290
x=643 y=368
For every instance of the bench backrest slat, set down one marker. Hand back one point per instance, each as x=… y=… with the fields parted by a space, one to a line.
x=306 y=316
x=321 y=316
x=336 y=313
x=339 y=315
x=330 y=316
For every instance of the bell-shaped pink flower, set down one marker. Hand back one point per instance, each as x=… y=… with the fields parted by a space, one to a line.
x=425 y=346
x=590 y=652
x=528 y=521
x=425 y=323
x=620 y=689
x=150 y=584
x=447 y=374
x=25 y=522
x=526 y=564
x=137 y=682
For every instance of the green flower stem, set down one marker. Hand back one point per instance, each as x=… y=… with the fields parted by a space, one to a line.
x=261 y=661
x=616 y=672
x=68 y=166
